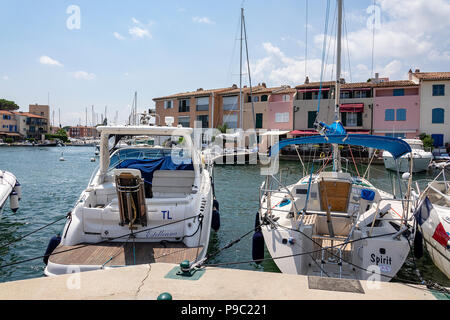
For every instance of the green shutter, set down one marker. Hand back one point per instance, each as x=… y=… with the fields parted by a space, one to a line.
x=359 y=119
x=311 y=118
x=344 y=118
x=259 y=121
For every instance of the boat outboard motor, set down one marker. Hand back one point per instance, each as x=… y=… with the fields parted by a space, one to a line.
x=14 y=201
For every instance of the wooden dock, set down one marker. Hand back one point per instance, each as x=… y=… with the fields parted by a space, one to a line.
x=123 y=254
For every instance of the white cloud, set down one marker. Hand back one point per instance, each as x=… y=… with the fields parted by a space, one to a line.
x=82 y=75
x=49 y=61
x=138 y=32
x=135 y=21
x=118 y=36
x=5 y=78
x=204 y=20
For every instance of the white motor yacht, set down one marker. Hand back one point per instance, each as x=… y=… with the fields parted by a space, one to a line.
x=9 y=187
x=421 y=159
x=145 y=204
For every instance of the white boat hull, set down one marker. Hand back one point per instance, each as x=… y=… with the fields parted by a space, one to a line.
x=7 y=184
x=404 y=163
x=301 y=249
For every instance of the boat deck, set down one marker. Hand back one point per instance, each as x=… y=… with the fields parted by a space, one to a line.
x=123 y=254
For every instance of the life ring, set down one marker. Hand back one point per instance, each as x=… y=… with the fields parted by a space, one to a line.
x=322 y=155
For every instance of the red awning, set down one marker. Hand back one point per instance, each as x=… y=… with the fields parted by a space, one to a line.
x=352 y=107
x=303 y=133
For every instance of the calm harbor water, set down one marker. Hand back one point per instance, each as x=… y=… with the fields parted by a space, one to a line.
x=51 y=188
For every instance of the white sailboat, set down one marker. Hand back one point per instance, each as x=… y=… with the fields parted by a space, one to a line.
x=421 y=159
x=9 y=187
x=145 y=204
x=433 y=218
x=332 y=224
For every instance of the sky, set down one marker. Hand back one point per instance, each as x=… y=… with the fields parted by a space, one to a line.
x=79 y=54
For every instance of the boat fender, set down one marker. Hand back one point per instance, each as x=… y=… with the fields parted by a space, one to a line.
x=418 y=245
x=14 y=201
x=52 y=245
x=215 y=222
x=257 y=222
x=18 y=190
x=216 y=204
x=258 y=246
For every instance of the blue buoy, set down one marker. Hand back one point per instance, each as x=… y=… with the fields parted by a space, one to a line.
x=418 y=244
x=258 y=246
x=53 y=243
x=215 y=222
x=216 y=204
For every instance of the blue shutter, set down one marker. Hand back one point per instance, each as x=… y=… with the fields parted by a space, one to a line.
x=389 y=115
x=438 y=115
x=399 y=92
x=401 y=114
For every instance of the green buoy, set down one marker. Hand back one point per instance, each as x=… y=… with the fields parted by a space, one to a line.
x=164 y=296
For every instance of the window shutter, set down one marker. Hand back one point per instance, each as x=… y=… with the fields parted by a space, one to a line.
x=344 y=118
x=359 y=119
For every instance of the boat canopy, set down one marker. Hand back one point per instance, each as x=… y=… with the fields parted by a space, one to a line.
x=395 y=146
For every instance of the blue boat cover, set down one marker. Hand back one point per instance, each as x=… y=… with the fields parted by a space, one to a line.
x=149 y=166
x=395 y=146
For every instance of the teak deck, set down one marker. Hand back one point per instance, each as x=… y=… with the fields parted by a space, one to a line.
x=123 y=254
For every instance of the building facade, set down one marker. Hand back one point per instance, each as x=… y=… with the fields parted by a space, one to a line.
x=41 y=111
x=83 y=132
x=356 y=103
x=280 y=115
x=434 y=104
x=187 y=108
x=396 y=109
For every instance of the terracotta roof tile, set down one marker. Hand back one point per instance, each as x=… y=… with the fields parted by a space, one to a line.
x=190 y=94
x=428 y=76
x=398 y=83
x=30 y=115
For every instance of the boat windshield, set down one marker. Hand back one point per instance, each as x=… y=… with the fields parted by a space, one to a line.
x=416 y=146
x=147 y=154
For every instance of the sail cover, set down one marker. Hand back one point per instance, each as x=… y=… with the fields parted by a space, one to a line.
x=395 y=146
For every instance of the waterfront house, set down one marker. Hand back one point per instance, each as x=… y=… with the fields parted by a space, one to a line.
x=396 y=111
x=8 y=125
x=356 y=104
x=280 y=113
x=434 y=104
x=186 y=108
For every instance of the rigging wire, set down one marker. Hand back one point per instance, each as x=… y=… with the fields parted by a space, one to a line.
x=373 y=40
x=346 y=39
x=325 y=35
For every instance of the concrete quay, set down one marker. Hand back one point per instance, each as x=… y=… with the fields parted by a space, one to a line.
x=147 y=282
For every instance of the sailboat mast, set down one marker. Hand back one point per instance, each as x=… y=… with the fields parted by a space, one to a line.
x=241 y=111
x=336 y=156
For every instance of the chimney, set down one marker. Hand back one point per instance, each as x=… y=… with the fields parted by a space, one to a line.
x=264 y=85
x=200 y=89
x=377 y=75
x=410 y=73
x=307 y=80
x=234 y=86
x=417 y=71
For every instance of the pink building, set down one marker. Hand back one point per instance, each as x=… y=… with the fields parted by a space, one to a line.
x=280 y=111
x=396 y=111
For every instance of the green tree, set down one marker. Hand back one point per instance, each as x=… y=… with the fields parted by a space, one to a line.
x=8 y=105
x=427 y=140
x=222 y=128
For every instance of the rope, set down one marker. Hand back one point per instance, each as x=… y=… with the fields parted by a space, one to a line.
x=356 y=167
x=97 y=243
x=28 y=234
